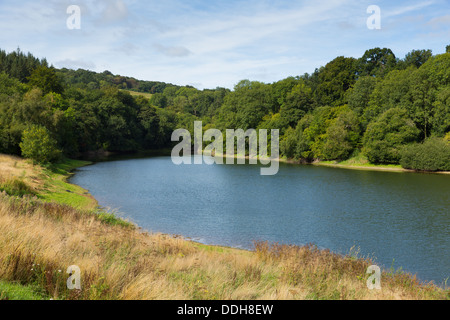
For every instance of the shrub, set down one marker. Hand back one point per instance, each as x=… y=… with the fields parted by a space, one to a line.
x=37 y=144
x=385 y=136
x=432 y=155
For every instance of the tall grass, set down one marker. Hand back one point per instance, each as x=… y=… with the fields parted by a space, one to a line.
x=15 y=187
x=39 y=240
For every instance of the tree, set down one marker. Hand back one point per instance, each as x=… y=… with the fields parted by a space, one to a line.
x=440 y=121
x=282 y=88
x=180 y=104
x=334 y=80
x=376 y=62
x=417 y=58
x=314 y=134
x=342 y=136
x=46 y=79
x=170 y=93
x=303 y=148
x=159 y=100
x=386 y=136
x=274 y=122
x=18 y=65
x=10 y=86
x=149 y=120
x=289 y=143
x=246 y=106
x=298 y=102
x=429 y=90
x=358 y=97
x=33 y=109
x=37 y=144
x=447 y=49
x=391 y=92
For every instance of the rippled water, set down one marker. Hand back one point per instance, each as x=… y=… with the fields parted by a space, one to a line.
x=388 y=215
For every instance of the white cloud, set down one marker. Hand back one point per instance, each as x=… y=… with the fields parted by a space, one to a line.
x=173 y=51
x=440 y=21
x=114 y=11
x=405 y=9
x=215 y=43
x=75 y=64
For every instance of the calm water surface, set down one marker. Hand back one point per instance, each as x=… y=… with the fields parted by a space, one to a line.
x=399 y=219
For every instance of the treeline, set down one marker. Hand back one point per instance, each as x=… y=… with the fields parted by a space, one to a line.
x=86 y=79
x=19 y=65
x=44 y=113
x=389 y=110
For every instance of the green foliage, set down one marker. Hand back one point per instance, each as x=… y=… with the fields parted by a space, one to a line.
x=17 y=292
x=246 y=106
x=10 y=86
x=377 y=103
x=376 y=62
x=112 y=219
x=432 y=155
x=282 y=88
x=385 y=136
x=296 y=144
x=391 y=92
x=440 y=121
x=342 y=137
x=85 y=79
x=38 y=145
x=159 y=100
x=46 y=79
x=417 y=58
x=16 y=187
x=297 y=103
x=289 y=143
x=19 y=65
x=334 y=80
x=359 y=95
x=150 y=122
x=429 y=91
x=325 y=128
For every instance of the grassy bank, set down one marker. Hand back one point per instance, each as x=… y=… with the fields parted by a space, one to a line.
x=48 y=184
x=362 y=163
x=43 y=234
x=358 y=162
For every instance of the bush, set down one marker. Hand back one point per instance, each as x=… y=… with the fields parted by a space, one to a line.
x=432 y=155
x=38 y=145
x=386 y=136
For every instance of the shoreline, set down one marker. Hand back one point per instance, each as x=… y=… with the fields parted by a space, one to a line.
x=368 y=167
x=250 y=250
x=181 y=268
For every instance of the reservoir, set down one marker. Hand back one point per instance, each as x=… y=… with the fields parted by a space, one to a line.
x=397 y=219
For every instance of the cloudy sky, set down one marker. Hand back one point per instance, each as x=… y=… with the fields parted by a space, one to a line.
x=210 y=43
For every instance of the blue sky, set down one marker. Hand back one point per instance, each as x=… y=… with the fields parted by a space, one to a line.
x=217 y=43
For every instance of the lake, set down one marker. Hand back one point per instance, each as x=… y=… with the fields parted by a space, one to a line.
x=398 y=219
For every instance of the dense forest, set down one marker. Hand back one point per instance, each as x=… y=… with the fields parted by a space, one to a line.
x=386 y=109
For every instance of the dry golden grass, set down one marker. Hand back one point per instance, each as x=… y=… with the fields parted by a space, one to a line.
x=40 y=240
x=12 y=167
x=50 y=184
